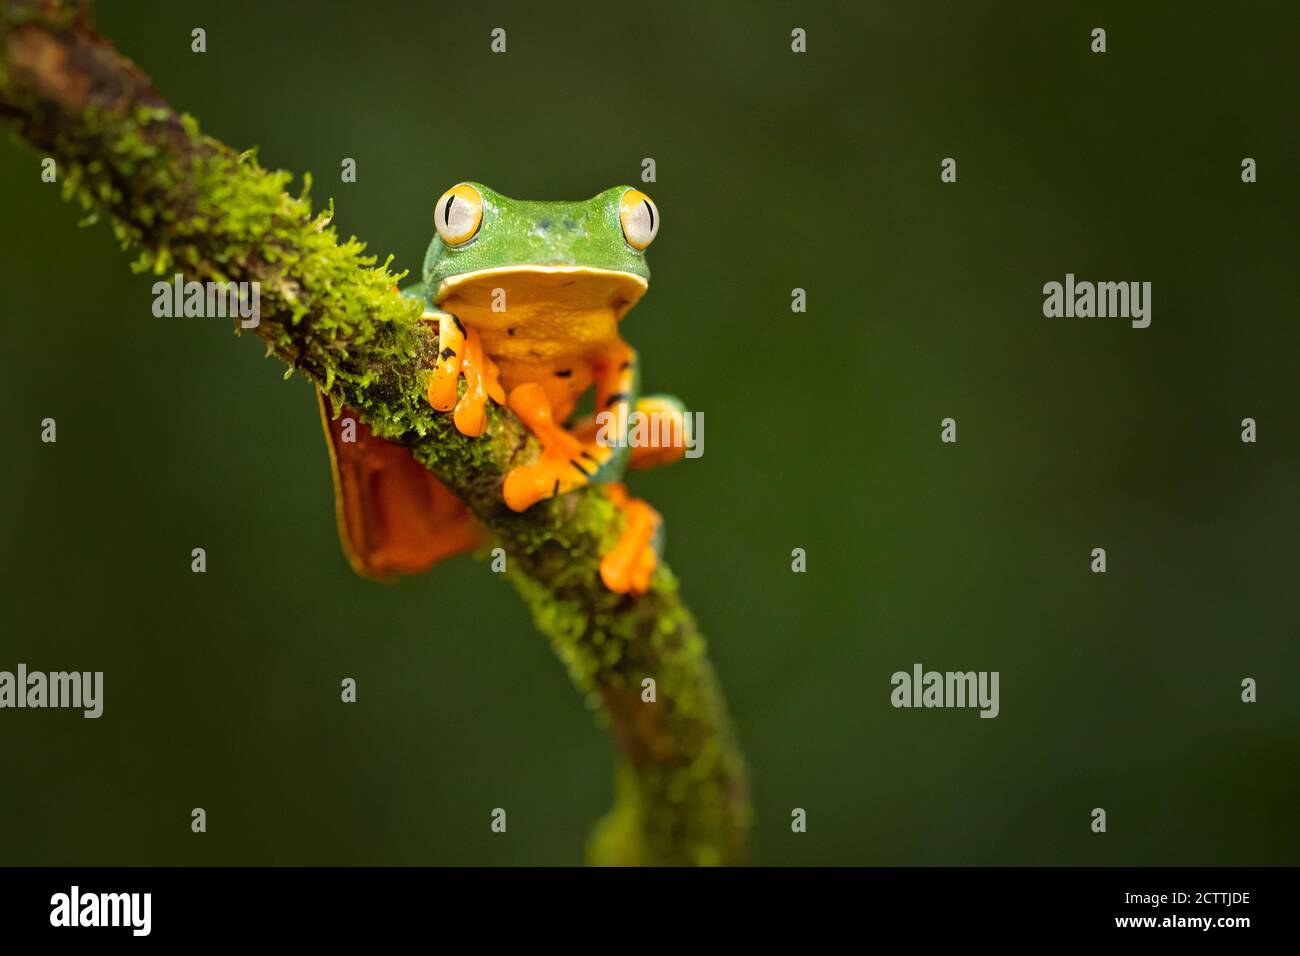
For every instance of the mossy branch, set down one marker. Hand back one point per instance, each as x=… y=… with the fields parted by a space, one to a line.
x=189 y=204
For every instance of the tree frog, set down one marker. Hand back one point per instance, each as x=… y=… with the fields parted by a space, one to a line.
x=527 y=297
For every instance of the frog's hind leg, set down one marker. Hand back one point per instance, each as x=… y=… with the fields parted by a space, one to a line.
x=394 y=517
x=628 y=566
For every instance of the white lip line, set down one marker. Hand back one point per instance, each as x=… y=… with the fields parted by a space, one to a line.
x=452 y=281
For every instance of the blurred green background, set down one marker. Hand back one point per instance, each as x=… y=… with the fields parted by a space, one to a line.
x=775 y=171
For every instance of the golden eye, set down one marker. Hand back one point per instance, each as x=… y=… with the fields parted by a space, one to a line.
x=640 y=218
x=458 y=214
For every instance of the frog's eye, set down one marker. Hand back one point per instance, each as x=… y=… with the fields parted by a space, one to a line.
x=458 y=214
x=640 y=218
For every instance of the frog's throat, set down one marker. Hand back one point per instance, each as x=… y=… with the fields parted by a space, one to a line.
x=575 y=288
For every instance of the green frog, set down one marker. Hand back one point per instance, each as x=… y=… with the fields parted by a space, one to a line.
x=527 y=297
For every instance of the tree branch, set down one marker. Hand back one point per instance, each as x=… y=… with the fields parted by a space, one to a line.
x=188 y=203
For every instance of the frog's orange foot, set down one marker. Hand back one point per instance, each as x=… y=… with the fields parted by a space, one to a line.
x=566 y=462
x=460 y=353
x=659 y=434
x=628 y=566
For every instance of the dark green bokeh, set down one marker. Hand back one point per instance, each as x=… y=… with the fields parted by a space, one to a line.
x=774 y=171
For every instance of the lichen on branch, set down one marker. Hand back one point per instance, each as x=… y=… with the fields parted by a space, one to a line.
x=187 y=203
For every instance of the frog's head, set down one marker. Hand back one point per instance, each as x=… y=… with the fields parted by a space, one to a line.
x=538 y=260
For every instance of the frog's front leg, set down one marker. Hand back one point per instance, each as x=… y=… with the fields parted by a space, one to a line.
x=567 y=460
x=460 y=353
